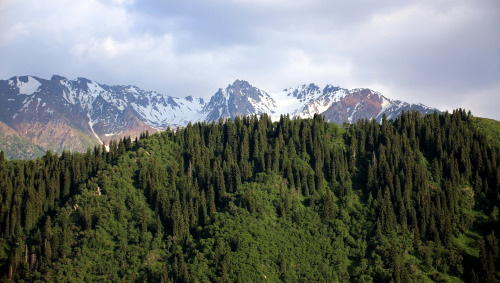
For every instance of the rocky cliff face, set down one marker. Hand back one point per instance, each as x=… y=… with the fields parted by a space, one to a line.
x=60 y=114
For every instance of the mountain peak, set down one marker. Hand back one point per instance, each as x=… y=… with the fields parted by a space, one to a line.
x=83 y=80
x=304 y=92
x=72 y=107
x=239 y=98
x=239 y=84
x=57 y=78
x=330 y=88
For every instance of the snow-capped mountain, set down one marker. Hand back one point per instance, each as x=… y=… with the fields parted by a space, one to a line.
x=155 y=109
x=340 y=105
x=60 y=113
x=238 y=99
x=336 y=104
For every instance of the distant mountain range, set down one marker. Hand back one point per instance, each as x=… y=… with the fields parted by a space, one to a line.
x=57 y=114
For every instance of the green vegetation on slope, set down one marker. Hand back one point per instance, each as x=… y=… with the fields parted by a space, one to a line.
x=15 y=147
x=35 y=144
x=490 y=127
x=250 y=200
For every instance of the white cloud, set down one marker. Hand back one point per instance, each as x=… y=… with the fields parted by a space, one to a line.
x=482 y=102
x=434 y=52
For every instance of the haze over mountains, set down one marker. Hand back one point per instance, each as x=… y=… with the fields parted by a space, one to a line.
x=38 y=114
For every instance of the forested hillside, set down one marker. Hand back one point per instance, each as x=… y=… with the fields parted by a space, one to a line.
x=249 y=200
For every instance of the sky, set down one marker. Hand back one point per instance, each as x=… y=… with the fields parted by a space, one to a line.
x=442 y=53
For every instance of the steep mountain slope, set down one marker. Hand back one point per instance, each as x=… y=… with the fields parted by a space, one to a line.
x=15 y=146
x=336 y=104
x=490 y=127
x=41 y=117
x=340 y=105
x=238 y=99
x=60 y=114
x=415 y=200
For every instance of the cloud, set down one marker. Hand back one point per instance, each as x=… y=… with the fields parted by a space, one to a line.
x=435 y=52
x=432 y=55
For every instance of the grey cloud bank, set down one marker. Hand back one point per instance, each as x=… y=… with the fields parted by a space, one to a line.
x=441 y=53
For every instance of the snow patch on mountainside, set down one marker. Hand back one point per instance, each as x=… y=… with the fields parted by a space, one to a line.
x=91 y=125
x=386 y=103
x=353 y=112
x=285 y=103
x=26 y=104
x=29 y=87
x=163 y=114
x=322 y=103
x=306 y=100
x=264 y=104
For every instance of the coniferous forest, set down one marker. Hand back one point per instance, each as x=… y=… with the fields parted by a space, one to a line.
x=248 y=200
